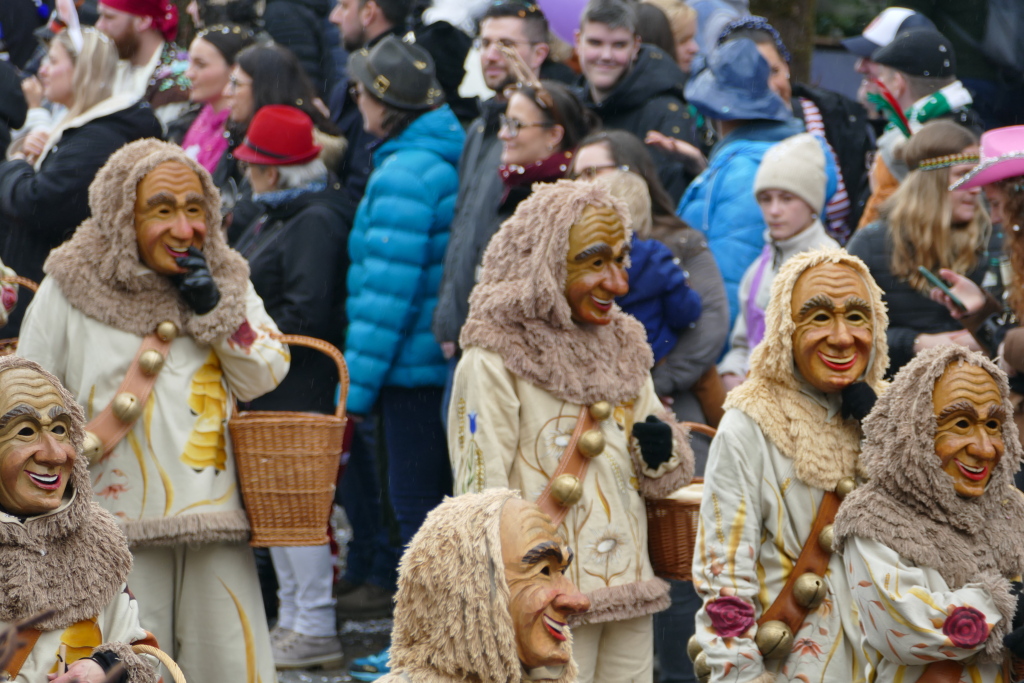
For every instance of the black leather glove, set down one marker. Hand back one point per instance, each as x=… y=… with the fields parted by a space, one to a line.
x=196 y=284
x=655 y=439
x=858 y=400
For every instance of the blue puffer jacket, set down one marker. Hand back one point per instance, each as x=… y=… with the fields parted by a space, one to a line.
x=397 y=247
x=720 y=201
x=659 y=296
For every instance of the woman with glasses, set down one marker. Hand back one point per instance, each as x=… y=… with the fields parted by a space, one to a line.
x=211 y=57
x=44 y=186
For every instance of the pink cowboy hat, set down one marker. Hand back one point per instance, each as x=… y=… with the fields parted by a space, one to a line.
x=1002 y=157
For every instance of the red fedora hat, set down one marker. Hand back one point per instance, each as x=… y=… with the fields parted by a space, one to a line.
x=279 y=135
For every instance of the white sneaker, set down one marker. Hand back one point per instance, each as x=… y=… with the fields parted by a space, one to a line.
x=302 y=652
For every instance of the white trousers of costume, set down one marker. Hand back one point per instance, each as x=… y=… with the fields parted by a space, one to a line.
x=203 y=604
x=305 y=577
x=615 y=651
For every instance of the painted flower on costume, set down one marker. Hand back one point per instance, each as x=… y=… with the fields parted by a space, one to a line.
x=966 y=627
x=730 y=616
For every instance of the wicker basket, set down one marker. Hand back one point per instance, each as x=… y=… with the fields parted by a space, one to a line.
x=288 y=465
x=672 y=529
x=10 y=345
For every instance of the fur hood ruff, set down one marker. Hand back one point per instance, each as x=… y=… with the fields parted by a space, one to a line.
x=910 y=505
x=73 y=560
x=452 y=620
x=774 y=395
x=99 y=270
x=519 y=311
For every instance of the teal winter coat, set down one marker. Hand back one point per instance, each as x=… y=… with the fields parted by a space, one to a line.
x=397 y=247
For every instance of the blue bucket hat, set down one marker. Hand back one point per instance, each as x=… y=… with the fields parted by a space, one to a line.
x=735 y=85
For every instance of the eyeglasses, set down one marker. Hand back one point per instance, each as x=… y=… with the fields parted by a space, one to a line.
x=235 y=84
x=485 y=44
x=515 y=125
x=591 y=172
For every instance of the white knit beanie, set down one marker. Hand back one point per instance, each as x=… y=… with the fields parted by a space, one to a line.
x=796 y=165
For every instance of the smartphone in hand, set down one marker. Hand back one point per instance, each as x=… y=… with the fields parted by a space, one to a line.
x=936 y=281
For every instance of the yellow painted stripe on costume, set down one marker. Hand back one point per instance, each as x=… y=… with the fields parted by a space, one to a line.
x=134 y=443
x=831 y=653
x=147 y=421
x=926 y=598
x=88 y=405
x=735 y=536
x=891 y=610
x=902 y=669
x=250 y=648
x=976 y=675
x=216 y=501
x=604 y=501
x=718 y=519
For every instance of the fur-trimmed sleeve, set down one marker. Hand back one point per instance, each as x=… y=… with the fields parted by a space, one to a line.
x=677 y=471
x=137 y=668
x=254 y=363
x=894 y=595
x=119 y=624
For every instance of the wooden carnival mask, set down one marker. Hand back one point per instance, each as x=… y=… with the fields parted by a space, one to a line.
x=169 y=216
x=969 y=418
x=596 y=265
x=832 y=342
x=36 y=455
x=541 y=596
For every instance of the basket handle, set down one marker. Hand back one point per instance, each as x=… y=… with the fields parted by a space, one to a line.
x=700 y=428
x=164 y=659
x=332 y=351
x=30 y=285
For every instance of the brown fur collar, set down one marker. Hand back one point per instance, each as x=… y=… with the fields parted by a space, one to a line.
x=73 y=560
x=99 y=270
x=909 y=504
x=518 y=309
x=452 y=620
x=773 y=395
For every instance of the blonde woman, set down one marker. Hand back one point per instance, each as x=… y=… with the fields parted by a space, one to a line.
x=682 y=21
x=926 y=224
x=44 y=186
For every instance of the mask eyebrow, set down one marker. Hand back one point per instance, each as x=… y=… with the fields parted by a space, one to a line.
x=193 y=197
x=817 y=301
x=956 y=407
x=547 y=549
x=18 y=411
x=998 y=413
x=161 y=198
x=57 y=411
x=856 y=302
x=591 y=251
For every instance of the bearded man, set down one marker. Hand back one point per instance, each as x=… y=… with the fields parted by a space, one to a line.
x=554 y=396
x=933 y=540
x=785 y=452
x=59 y=551
x=150 y=319
x=483 y=595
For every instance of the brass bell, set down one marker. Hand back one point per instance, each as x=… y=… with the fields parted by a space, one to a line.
x=127 y=407
x=151 y=362
x=774 y=639
x=809 y=590
x=825 y=538
x=601 y=411
x=167 y=331
x=693 y=648
x=567 y=489
x=845 y=487
x=92 y=447
x=591 y=444
x=701 y=668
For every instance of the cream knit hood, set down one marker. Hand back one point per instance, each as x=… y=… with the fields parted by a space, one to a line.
x=452 y=620
x=824 y=447
x=99 y=271
x=910 y=505
x=519 y=311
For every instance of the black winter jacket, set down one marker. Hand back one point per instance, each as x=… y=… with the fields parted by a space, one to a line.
x=910 y=312
x=650 y=97
x=40 y=209
x=475 y=222
x=299 y=25
x=298 y=260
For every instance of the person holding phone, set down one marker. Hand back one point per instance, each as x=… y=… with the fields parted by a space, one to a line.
x=925 y=223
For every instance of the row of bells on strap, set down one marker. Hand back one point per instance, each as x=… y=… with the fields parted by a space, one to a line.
x=567 y=489
x=126 y=406
x=774 y=638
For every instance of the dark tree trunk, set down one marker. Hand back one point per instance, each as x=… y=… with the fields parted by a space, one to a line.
x=794 y=19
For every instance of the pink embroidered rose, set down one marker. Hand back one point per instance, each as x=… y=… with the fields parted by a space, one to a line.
x=9 y=298
x=965 y=627
x=244 y=336
x=730 y=616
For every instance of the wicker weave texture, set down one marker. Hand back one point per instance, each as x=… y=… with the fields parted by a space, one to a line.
x=671 y=536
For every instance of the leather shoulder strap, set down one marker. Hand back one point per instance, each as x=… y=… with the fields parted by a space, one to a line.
x=813 y=558
x=107 y=429
x=27 y=640
x=946 y=671
x=572 y=462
